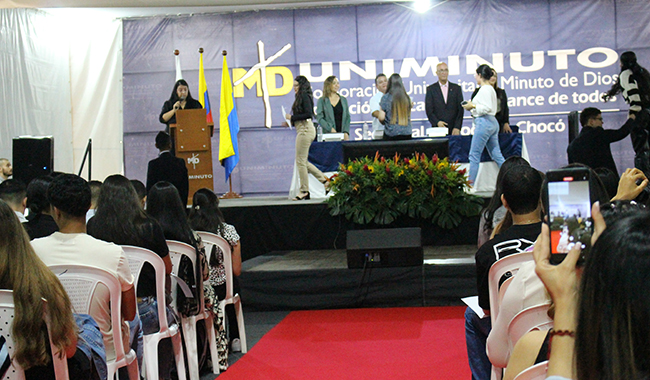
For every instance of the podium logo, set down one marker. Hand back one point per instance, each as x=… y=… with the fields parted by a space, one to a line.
x=194 y=160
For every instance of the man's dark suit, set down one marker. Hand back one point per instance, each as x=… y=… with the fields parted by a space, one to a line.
x=171 y=169
x=450 y=112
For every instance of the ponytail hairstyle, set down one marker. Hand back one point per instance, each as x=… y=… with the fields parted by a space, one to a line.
x=401 y=107
x=485 y=72
x=205 y=214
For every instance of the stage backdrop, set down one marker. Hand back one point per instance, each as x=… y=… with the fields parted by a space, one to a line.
x=552 y=57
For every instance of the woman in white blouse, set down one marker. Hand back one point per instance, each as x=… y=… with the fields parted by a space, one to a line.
x=483 y=107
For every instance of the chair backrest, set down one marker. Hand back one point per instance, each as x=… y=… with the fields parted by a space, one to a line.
x=536 y=372
x=507 y=264
x=178 y=249
x=137 y=257
x=214 y=239
x=532 y=318
x=80 y=282
x=7 y=314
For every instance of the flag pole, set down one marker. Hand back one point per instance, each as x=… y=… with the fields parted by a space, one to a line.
x=230 y=194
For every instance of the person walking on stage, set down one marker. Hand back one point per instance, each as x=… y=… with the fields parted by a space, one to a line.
x=303 y=114
x=486 y=128
x=332 y=110
x=634 y=84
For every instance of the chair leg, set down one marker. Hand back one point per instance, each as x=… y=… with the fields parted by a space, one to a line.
x=150 y=359
x=209 y=326
x=242 y=328
x=179 y=355
x=189 y=329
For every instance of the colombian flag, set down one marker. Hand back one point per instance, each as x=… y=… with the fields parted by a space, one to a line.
x=204 y=99
x=228 y=124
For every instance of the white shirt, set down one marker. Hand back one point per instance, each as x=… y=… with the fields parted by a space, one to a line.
x=21 y=217
x=374 y=106
x=485 y=101
x=60 y=248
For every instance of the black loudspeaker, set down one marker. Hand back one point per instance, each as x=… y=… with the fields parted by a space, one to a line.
x=391 y=247
x=32 y=157
x=574 y=125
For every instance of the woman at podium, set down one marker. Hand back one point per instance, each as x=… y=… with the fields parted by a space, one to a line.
x=180 y=99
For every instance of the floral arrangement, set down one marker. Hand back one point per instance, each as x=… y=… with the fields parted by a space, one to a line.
x=380 y=190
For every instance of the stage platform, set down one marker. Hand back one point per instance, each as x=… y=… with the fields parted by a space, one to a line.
x=299 y=280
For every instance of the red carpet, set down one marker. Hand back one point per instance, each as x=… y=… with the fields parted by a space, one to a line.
x=396 y=343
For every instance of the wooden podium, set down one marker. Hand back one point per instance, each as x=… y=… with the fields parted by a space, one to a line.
x=192 y=136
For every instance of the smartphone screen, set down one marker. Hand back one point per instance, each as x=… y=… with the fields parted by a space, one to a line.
x=569 y=213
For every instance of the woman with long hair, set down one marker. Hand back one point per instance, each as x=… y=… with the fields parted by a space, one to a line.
x=303 y=113
x=40 y=222
x=601 y=328
x=206 y=216
x=494 y=212
x=180 y=99
x=120 y=219
x=396 y=110
x=483 y=107
x=31 y=281
x=634 y=84
x=332 y=109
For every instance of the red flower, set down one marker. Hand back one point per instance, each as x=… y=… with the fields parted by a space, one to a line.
x=430 y=172
x=365 y=167
x=444 y=176
x=383 y=160
x=387 y=169
x=406 y=160
x=435 y=158
x=462 y=172
x=348 y=172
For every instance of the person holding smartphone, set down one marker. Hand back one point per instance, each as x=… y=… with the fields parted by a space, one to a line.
x=483 y=107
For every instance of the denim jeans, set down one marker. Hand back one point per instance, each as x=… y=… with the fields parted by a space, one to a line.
x=486 y=134
x=476 y=333
x=148 y=310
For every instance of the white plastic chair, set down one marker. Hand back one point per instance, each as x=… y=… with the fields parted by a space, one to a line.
x=497 y=270
x=137 y=257
x=536 y=372
x=176 y=250
x=231 y=296
x=7 y=313
x=80 y=282
x=532 y=318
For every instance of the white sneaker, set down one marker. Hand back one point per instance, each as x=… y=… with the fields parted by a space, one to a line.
x=235 y=345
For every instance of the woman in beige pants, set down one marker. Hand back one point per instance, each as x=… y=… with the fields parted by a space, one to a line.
x=303 y=113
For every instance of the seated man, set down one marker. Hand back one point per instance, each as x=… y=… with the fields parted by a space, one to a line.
x=522 y=187
x=591 y=147
x=70 y=199
x=14 y=193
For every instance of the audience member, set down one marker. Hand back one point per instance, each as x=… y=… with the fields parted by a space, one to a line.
x=120 y=219
x=442 y=102
x=592 y=146
x=141 y=190
x=381 y=83
x=532 y=348
x=601 y=325
x=41 y=223
x=396 y=110
x=25 y=274
x=69 y=196
x=486 y=128
x=494 y=212
x=206 y=216
x=332 y=109
x=521 y=197
x=95 y=187
x=6 y=170
x=168 y=168
x=14 y=193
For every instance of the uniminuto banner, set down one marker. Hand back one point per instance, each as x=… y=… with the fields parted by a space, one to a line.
x=552 y=57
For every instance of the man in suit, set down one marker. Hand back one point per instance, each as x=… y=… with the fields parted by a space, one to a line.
x=443 y=102
x=168 y=168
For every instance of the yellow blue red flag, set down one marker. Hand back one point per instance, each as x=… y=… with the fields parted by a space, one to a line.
x=228 y=124
x=204 y=99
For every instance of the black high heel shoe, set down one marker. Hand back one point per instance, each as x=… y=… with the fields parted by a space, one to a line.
x=301 y=198
x=328 y=185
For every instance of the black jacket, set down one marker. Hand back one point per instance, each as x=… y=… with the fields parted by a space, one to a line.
x=450 y=112
x=171 y=169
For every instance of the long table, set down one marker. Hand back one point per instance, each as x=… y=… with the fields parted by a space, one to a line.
x=327 y=156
